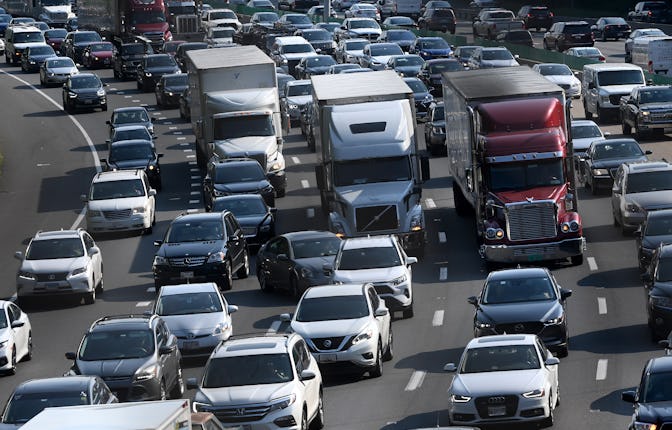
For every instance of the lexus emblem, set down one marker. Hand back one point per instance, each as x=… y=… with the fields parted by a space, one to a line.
x=240 y=411
x=519 y=328
x=187 y=260
x=327 y=343
x=52 y=277
x=496 y=400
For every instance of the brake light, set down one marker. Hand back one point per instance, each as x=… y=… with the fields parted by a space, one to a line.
x=649 y=13
x=550 y=14
x=529 y=15
x=602 y=58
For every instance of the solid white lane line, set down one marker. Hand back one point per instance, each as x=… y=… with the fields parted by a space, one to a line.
x=275 y=325
x=304 y=183
x=296 y=160
x=430 y=203
x=443 y=274
x=416 y=380
x=601 y=305
x=592 y=264
x=144 y=105
x=442 y=236
x=310 y=213
x=142 y=304
x=437 y=321
x=601 y=373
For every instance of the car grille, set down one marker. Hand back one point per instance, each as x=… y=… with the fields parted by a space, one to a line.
x=327 y=343
x=51 y=277
x=241 y=414
x=118 y=214
x=615 y=99
x=484 y=405
x=190 y=337
x=116 y=378
x=59 y=16
x=187 y=261
x=376 y=218
x=529 y=221
x=529 y=327
x=382 y=288
x=249 y=231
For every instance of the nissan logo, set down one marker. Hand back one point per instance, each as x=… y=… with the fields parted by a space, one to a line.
x=519 y=328
x=496 y=400
x=327 y=343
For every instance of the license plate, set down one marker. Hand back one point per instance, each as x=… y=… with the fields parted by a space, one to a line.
x=186 y=275
x=53 y=285
x=327 y=358
x=190 y=344
x=534 y=257
x=578 y=36
x=496 y=411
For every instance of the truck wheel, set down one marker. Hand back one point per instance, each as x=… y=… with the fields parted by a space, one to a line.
x=461 y=204
x=281 y=192
x=626 y=128
x=408 y=312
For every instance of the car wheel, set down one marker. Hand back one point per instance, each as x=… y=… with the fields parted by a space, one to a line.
x=548 y=421
x=138 y=85
x=104 y=107
x=318 y=421
x=557 y=47
x=377 y=370
x=178 y=388
x=546 y=47
x=563 y=351
x=408 y=312
x=304 y=421
x=115 y=73
x=7 y=60
x=90 y=298
x=587 y=113
x=227 y=282
x=626 y=128
x=263 y=282
x=29 y=353
x=389 y=351
x=101 y=285
x=294 y=287
x=12 y=367
x=244 y=270
x=162 y=391
x=157 y=286
x=280 y=192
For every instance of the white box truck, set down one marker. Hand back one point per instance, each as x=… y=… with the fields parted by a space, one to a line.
x=235 y=110
x=653 y=54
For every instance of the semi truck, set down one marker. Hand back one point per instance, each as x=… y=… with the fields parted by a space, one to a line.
x=235 y=110
x=158 y=415
x=369 y=171
x=53 y=12
x=510 y=156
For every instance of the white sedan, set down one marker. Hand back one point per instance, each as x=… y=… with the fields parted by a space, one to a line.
x=561 y=75
x=16 y=341
x=585 y=132
x=504 y=379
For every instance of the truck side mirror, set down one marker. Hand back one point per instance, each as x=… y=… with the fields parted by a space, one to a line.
x=591 y=86
x=424 y=168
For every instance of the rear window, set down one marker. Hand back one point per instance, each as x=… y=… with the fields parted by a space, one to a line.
x=577 y=29
x=519 y=35
x=443 y=13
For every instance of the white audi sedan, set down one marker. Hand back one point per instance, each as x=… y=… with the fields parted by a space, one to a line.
x=504 y=379
x=16 y=341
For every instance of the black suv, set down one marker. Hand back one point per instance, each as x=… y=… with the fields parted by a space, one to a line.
x=152 y=67
x=536 y=17
x=438 y=20
x=564 y=35
x=653 y=395
x=135 y=154
x=126 y=58
x=202 y=247
x=658 y=285
x=136 y=355
x=74 y=43
x=84 y=90
x=236 y=176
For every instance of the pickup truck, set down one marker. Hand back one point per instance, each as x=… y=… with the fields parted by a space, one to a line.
x=649 y=11
x=489 y=22
x=647 y=110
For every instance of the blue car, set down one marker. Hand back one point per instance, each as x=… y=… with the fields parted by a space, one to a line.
x=431 y=47
x=4 y=22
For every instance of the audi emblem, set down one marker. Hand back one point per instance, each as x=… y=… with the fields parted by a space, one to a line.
x=327 y=343
x=496 y=400
x=519 y=328
x=52 y=277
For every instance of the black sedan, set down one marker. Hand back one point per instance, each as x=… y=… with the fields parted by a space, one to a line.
x=135 y=154
x=423 y=98
x=315 y=65
x=653 y=396
x=599 y=164
x=84 y=90
x=527 y=301
x=169 y=88
x=152 y=67
x=293 y=261
x=253 y=214
x=34 y=56
x=405 y=65
x=230 y=176
x=658 y=287
x=656 y=229
x=610 y=28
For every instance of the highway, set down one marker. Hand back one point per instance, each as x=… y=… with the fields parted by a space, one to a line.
x=48 y=163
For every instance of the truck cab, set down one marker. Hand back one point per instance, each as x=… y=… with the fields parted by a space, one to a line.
x=147 y=18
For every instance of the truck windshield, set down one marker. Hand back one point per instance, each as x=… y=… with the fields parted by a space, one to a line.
x=242 y=126
x=366 y=171
x=522 y=176
x=182 y=10
x=148 y=17
x=620 y=77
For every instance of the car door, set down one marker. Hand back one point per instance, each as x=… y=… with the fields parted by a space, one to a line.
x=383 y=321
x=96 y=259
x=235 y=240
x=267 y=258
x=302 y=361
x=21 y=334
x=617 y=191
x=551 y=370
x=169 y=362
x=280 y=271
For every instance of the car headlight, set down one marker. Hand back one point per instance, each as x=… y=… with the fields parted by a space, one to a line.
x=169 y=94
x=416 y=223
x=283 y=402
x=146 y=373
x=482 y=324
x=94 y=213
x=100 y=92
x=631 y=207
x=95 y=58
x=661 y=301
x=644 y=113
x=201 y=407
x=139 y=210
x=148 y=74
x=78 y=271
x=600 y=172
x=217 y=257
x=159 y=260
x=459 y=398
x=31 y=61
x=268 y=190
x=644 y=426
x=26 y=275
x=604 y=98
x=554 y=321
x=276 y=166
x=50 y=74
x=535 y=393
x=72 y=95
x=363 y=336
x=220 y=328
x=400 y=280
x=306 y=272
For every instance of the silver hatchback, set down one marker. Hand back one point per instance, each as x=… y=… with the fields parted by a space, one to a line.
x=57 y=70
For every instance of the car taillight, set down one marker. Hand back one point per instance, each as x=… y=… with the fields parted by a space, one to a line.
x=529 y=15
x=550 y=14
x=602 y=58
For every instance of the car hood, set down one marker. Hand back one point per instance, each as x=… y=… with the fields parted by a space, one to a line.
x=116 y=204
x=618 y=89
x=562 y=79
x=186 y=249
x=145 y=124
x=299 y=100
x=541 y=193
x=517 y=312
x=83 y=91
x=318 y=69
x=652 y=200
x=196 y=324
x=615 y=162
x=365 y=31
x=105 y=368
x=498 y=63
x=385 y=192
x=131 y=164
x=382 y=59
x=224 y=22
x=314 y=264
x=247 y=394
x=654 y=412
x=652 y=242
x=332 y=328
x=380 y=274
x=102 y=54
x=408 y=70
x=162 y=70
x=243 y=187
x=504 y=382
x=241 y=146
x=53 y=266
x=584 y=143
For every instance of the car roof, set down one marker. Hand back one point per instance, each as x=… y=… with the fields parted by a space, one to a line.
x=368 y=242
x=611 y=66
x=527 y=272
x=128 y=127
x=501 y=340
x=290 y=40
x=647 y=166
x=54 y=385
x=113 y=322
x=334 y=290
x=131 y=142
x=198 y=216
x=202 y=287
x=129 y=109
x=56 y=234
x=308 y=234
x=254 y=345
x=117 y=175
x=617 y=140
x=660 y=364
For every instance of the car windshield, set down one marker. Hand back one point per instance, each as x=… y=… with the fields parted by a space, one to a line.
x=51 y=249
x=42 y=50
x=117 y=189
x=243 y=126
x=465 y=52
x=357 y=172
x=438 y=114
x=585 y=131
x=188 y=304
x=614 y=21
x=116 y=345
x=245 y=370
x=659 y=226
x=55 y=33
x=35 y=36
x=195 y=231
x=132 y=134
x=170 y=48
x=97 y=47
x=400 y=35
x=656 y=95
x=616 y=150
x=222 y=32
x=369 y=258
x=247 y=172
x=445 y=66
x=555 y=70
x=496 y=54
x=130 y=117
x=311 y=248
x=23 y=407
x=317 y=35
x=620 y=77
x=332 y=308
x=298 y=19
x=408 y=60
x=86 y=37
x=401 y=20
x=297 y=49
x=657 y=388
x=148 y=17
x=266 y=17
x=645 y=182
x=224 y=14
x=433 y=44
x=577 y=29
x=176 y=81
x=241 y=207
x=525 y=175
x=131 y=152
x=363 y=23
x=133 y=49
x=160 y=61
x=499 y=291
x=385 y=49
x=500 y=358
x=320 y=61
x=82 y=82
x=357 y=45
x=417 y=86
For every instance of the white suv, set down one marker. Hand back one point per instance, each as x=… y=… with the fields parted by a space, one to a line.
x=120 y=200
x=380 y=260
x=261 y=382
x=346 y=323
x=58 y=263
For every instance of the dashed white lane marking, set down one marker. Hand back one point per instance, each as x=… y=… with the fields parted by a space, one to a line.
x=161 y=118
x=174 y=199
x=196 y=177
x=177 y=133
x=430 y=203
x=438 y=318
x=601 y=373
x=182 y=138
x=144 y=105
x=43 y=164
x=151 y=290
x=172 y=128
x=193 y=163
x=195 y=184
x=304 y=183
x=167 y=122
x=416 y=380
x=157 y=113
x=135 y=101
x=194 y=202
x=142 y=304
x=194 y=169
x=443 y=274
x=274 y=327
x=112 y=89
x=310 y=212
x=601 y=305
x=442 y=236
x=592 y=264
x=296 y=160
x=189 y=150
x=192 y=211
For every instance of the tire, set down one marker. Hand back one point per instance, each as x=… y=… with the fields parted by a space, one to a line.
x=178 y=389
x=104 y=108
x=576 y=260
x=244 y=270
x=90 y=298
x=557 y=47
x=138 y=85
x=563 y=352
x=263 y=283
x=157 y=286
x=377 y=370
x=546 y=47
x=548 y=421
x=281 y=192
x=115 y=73
x=100 y=288
x=29 y=354
x=304 y=421
x=461 y=204
x=389 y=351
x=294 y=287
x=227 y=282
x=626 y=128
x=163 y=395
x=12 y=368
x=318 y=421
x=587 y=113
x=408 y=312
x=602 y=114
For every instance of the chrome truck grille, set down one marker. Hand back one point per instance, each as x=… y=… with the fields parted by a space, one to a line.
x=376 y=218
x=530 y=221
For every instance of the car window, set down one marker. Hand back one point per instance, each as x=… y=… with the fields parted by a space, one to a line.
x=88 y=241
x=14 y=313
x=368 y=258
x=45 y=249
x=248 y=370
x=374 y=299
x=296 y=355
x=230 y=227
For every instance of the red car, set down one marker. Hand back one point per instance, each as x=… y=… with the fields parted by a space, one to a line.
x=54 y=37
x=97 y=55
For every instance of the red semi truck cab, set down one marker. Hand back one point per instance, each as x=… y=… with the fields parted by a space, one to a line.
x=148 y=18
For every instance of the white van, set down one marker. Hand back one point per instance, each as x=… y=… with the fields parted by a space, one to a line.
x=653 y=54
x=604 y=84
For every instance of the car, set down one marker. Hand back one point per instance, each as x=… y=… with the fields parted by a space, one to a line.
x=34 y=56
x=380 y=260
x=435 y=129
x=98 y=55
x=181 y=53
x=463 y=53
x=170 y=46
x=40 y=25
x=283 y=79
x=152 y=67
x=598 y=166
x=168 y=89
x=346 y=324
x=568 y=34
x=54 y=37
x=135 y=154
x=504 y=379
x=293 y=22
x=2 y=47
x=640 y=188
x=350 y=50
x=315 y=65
x=338 y=68
x=120 y=200
x=264 y=20
x=584 y=132
x=126 y=58
x=19 y=21
x=438 y=20
x=523 y=300
x=515 y=37
x=363 y=10
x=83 y=91
x=341 y=5
x=219 y=36
x=262 y=381
x=185 y=104
x=591 y=53
x=72 y=24
x=649 y=11
x=421 y=95
x=375 y=55
x=5 y=18
x=652 y=396
x=288 y=51
x=431 y=47
x=405 y=65
x=129 y=132
x=236 y=176
x=393 y=22
x=655 y=230
x=293 y=261
x=658 y=288
x=75 y=41
x=321 y=39
x=17 y=39
x=31 y=397
x=536 y=17
x=646 y=111
x=60 y=263
x=433 y=69
x=297 y=94
x=491 y=57
x=639 y=32
x=125 y=116
x=135 y=354
x=365 y=28
x=255 y=217
x=562 y=75
x=197 y=314
x=220 y=18
x=611 y=28
x=261 y=4
x=16 y=337
x=402 y=37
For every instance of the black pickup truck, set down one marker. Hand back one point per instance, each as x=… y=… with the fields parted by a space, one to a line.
x=647 y=110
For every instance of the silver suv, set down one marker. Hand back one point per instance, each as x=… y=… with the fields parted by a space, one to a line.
x=56 y=263
x=262 y=382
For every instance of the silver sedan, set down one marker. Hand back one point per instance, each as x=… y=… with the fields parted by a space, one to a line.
x=57 y=70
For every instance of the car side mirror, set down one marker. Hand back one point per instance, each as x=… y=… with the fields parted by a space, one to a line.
x=94 y=250
x=327 y=269
x=552 y=361
x=152 y=192
x=158 y=242
x=71 y=356
x=307 y=375
x=105 y=84
x=152 y=119
x=283 y=257
x=165 y=350
x=450 y=367
x=564 y=294
x=286 y=317
x=232 y=309
x=274 y=211
x=83 y=198
x=473 y=300
x=628 y=396
x=192 y=383
x=17 y=324
x=381 y=312
x=411 y=260
x=607 y=133
x=638 y=232
x=18 y=255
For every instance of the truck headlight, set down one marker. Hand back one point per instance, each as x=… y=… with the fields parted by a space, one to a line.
x=416 y=223
x=645 y=426
x=494 y=233
x=72 y=95
x=201 y=407
x=293 y=106
x=148 y=74
x=482 y=324
x=276 y=166
x=554 y=321
x=604 y=98
x=218 y=193
x=571 y=226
